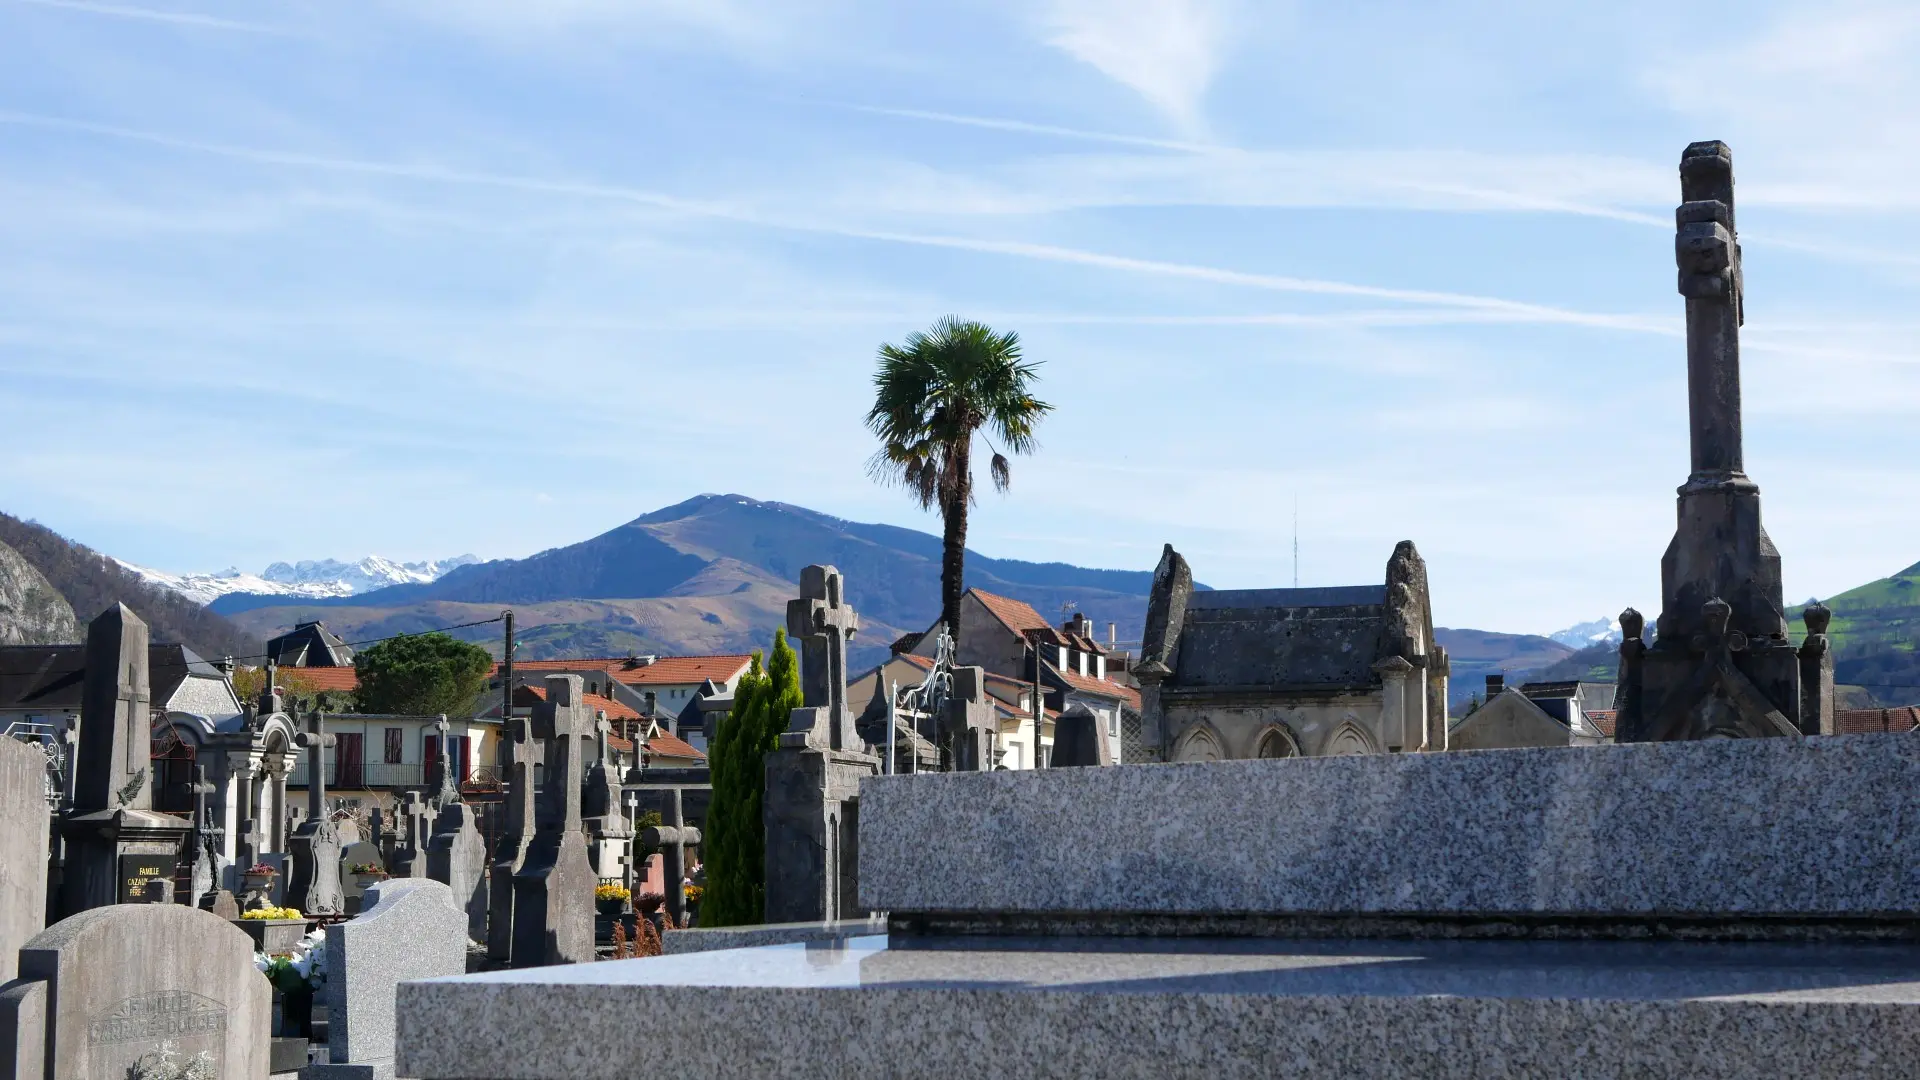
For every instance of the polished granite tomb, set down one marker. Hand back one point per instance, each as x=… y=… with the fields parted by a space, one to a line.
x=1702 y=909
x=1131 y=1007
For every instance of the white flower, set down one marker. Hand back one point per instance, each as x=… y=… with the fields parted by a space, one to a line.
x=262 y=961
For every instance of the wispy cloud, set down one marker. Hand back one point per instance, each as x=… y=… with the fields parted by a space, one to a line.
x=1167 y=51
x=177 y=18
x=1497 y=309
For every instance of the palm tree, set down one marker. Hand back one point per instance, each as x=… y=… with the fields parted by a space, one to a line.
x=930 y=397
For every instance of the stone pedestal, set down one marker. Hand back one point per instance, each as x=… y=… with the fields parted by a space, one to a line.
x=812 y=813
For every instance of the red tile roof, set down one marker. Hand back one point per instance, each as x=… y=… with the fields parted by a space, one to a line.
x=613 y=709
x=1087 y=684
x=319 y=679
x=667 y=670
x=1862 y=721
x=1602 y=720
x=672 y=746
x=1018 y=616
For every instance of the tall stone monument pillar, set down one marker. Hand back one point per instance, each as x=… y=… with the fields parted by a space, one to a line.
x=118 y=850
x=812 y=804
x=1721 y=664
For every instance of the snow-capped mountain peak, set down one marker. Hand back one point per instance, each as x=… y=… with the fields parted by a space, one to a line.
x=308 y=578
x=1583 y=635
x=372 y=572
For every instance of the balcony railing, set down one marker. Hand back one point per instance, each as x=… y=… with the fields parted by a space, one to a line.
x=362 y=777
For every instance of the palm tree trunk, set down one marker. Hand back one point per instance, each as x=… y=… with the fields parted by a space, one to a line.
x=953 y=551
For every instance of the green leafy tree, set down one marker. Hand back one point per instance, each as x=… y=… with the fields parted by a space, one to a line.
x=931 y=396
x=421 y=675
x=736 y=844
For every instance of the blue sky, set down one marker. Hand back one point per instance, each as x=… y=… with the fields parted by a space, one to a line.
x=297 y=280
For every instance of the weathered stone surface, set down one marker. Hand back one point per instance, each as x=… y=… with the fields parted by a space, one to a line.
x=553 y=890
x=1721 y=664
x=112 y=821
x=1078 y=739
x=1221 y=1009
x=23 y=1031
x=315 y=846
x=1600 y=833
x=812 y=804
x=23 y=849
x=457 y=858
x=1247 y=673
x=523 y=753
x=411 y=928
x=135 y=986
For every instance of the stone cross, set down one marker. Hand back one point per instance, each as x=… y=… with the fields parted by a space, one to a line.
x=203 y=825
x=317 y=741
x=206 y=835
x=604 y=729
x=111 y=768
x=1707 y=249
x=823 y=623
x=561 y=794
x=672 y=837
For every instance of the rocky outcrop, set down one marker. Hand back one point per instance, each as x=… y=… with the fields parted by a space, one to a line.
x=32 y=612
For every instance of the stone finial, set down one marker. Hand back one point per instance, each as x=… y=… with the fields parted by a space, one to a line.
x=1816 y=617
x=1633 y=625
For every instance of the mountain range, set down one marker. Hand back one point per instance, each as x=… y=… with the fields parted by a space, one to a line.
x=307 y=579
x=714 y=574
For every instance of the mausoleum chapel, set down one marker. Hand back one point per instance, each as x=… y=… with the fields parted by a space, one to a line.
x=999 y=847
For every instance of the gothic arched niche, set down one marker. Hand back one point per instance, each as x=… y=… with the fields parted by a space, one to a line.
x=1198 y=744
x=1349 y=739
x=1276 y=742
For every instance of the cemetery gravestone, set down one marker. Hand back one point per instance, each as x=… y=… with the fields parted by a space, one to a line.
x=410 y=929
x=138 y=991
x=315 y=888
x=672 y=838
x=553 y=892
x=457 y=858
x=23 y=848
x=1079 y=740
x=363 y=853
x=112 y=818
x=521 y=826
x=811 y=807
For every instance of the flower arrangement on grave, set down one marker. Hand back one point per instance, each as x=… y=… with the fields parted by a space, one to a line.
x=694 y=893
x=304 y=970
x=271 y=912
x=263 y=869
x=611 y=898
x=367 y=870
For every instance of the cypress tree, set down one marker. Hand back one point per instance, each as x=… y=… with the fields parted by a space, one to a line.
x=728 y=900
x=736 y=840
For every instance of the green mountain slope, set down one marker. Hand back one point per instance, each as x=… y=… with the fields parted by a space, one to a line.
x=90 y=582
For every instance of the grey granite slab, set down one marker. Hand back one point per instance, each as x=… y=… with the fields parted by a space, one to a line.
x=1758 y=828
x=712 y=939
x=1054 y=1007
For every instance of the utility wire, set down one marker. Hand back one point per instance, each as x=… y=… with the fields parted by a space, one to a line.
x=349 y=644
